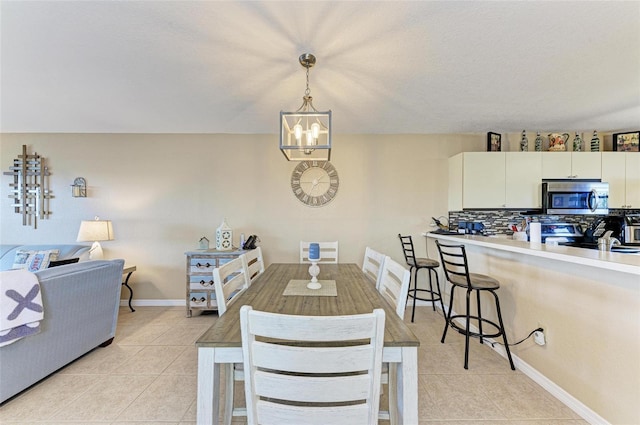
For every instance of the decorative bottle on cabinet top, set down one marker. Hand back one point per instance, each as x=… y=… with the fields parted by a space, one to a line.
x=577 y=143
x=538 y=142
x=524 y=142
x=595 y=142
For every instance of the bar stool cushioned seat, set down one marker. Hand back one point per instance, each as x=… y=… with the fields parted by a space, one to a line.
x=456 y=270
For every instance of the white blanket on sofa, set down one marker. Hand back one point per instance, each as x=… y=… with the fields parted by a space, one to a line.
x=20 y=305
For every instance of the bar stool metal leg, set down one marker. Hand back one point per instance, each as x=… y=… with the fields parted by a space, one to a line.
x=504 y=334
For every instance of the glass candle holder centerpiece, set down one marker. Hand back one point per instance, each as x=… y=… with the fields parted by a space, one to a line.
x=314 y=270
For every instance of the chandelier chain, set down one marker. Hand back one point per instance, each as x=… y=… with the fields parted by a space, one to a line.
x=307 y=92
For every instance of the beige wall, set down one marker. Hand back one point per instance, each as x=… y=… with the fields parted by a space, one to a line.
x=163 y=192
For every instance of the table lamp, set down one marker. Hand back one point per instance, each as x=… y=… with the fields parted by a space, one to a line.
x=95 y=230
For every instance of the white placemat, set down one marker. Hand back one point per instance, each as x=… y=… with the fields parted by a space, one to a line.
x=299 y=288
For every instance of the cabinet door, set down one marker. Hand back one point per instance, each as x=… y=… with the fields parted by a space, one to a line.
x=586 y=165
x=613 y=172
x=632 y=162
x=556 y=165
x=455 y=183
x=523 y=177
x=483 y=180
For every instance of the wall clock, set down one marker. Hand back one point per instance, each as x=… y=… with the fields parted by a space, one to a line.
x=315 y=183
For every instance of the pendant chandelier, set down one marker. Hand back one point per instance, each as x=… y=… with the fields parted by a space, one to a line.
x=306 y=133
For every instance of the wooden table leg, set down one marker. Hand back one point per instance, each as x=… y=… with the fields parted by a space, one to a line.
x=208 y=397
x=408 y=387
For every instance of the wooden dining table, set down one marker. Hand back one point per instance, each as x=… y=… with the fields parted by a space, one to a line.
x=356 y=294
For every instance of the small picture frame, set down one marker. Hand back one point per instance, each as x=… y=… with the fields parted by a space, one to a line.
x=494 y=143
x=627 y=142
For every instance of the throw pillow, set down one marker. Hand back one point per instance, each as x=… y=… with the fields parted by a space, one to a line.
x=34 y=260
x=63 y=262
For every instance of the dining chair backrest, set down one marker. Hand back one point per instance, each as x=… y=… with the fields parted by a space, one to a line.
x=454 y=262
x=372 y=265
x=254 y=263
x=408 y=250
x=328 y=252
x=229 y=280
x=312 y=369
x=394 y=284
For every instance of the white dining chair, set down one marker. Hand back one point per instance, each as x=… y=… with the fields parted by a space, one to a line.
x=254 y=263
x=328 y=252
x=318 y=371
x=372 y=265
x=394 y=287
x=230 y=280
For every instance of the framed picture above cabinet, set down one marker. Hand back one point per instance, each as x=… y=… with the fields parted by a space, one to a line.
x=494 y=142
x=627 y=142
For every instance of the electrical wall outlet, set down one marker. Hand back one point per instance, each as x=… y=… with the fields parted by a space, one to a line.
x=545 y=330
x=538 y=337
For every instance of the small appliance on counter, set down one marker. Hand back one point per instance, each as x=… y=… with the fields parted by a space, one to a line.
x=608 y=234
x=471 y=227
x=561 y=233
x=631 y=230
x=613 y=223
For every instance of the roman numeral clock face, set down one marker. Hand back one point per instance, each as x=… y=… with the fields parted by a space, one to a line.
x=315 y=183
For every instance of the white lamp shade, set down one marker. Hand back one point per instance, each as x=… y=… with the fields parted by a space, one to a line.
x=95 y=230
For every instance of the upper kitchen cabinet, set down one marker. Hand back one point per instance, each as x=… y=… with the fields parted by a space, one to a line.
x=494 y=180
x=622 y=171
x=523 y=179
x=483 y=180
x=571 y=165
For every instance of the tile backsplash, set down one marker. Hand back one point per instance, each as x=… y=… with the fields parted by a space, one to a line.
x=500 y=221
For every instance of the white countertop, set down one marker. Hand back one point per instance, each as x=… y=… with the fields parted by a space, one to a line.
x=626 y=263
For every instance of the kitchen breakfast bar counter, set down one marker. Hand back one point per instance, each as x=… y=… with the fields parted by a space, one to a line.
x=588 y=303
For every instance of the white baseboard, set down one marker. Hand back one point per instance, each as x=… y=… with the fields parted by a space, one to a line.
x=564 y=397
x=567 y=399
x=153 y=303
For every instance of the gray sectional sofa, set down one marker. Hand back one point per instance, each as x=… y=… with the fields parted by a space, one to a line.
x=80 y=304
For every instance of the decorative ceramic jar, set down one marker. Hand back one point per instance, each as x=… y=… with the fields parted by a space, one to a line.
x=595 y=142
x=524 y=142
x=577 y=143
x=558 y=142
x=538 y=142
x=224 y=237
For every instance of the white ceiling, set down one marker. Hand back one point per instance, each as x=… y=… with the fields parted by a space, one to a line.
x=383 y=67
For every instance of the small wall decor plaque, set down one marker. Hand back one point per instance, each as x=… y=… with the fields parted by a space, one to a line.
x=494 y=142
x=627 y=142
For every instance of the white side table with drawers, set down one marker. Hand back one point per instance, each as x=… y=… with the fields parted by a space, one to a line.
x=200 y=292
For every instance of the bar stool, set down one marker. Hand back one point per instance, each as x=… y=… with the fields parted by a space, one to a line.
x=456 y=269
x=416 y=264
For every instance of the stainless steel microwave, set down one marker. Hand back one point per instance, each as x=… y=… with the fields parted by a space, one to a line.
x=575 y=197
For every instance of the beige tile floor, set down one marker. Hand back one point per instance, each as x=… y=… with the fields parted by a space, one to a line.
x=148 y=376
